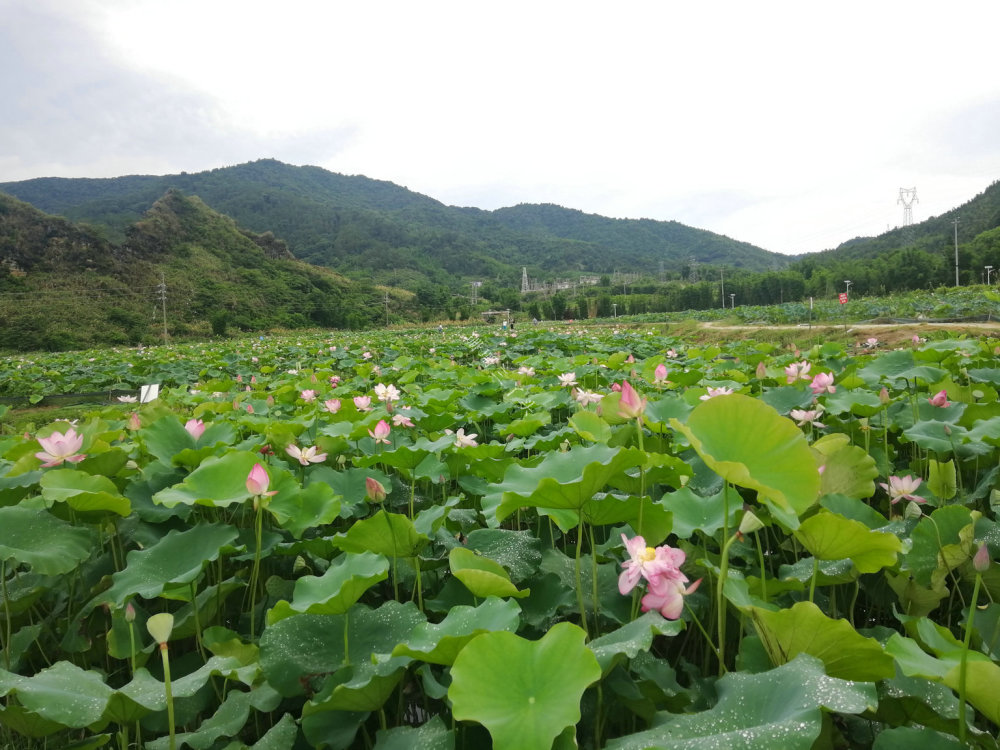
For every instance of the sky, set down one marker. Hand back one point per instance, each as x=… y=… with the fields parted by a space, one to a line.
x=791 y=125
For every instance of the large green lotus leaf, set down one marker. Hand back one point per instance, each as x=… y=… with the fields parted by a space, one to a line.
x=227 y=721
x=529 y=424
x=299 y=510
x=15 y=487
x=349 y=484
x=776 y=710
x=945 y=439
x=692 y=512
x=433 y=735
x=830 y=537
x=787 y=397
x=520 y=552
x=36 y=538
x=165 y=438
x=279 y=737
x=590 y=427
x=389 y=534
x=83 y=492
x=945 y=527
x=481 y=575
x=805 y=629
x=218 y=482
x=861 y=403
x=178 y=558
x=564 y=480
x=524 y=692
x=405 y=458
x=942 y=478
x=335 y=591
x=749 y=444
x=297 y=653
x=440 y=643
x=982 y=675
x=62 y=693
x=147 y=692
x=914 y=738
x=658 y=468
x=848 y=469
x=631 y=638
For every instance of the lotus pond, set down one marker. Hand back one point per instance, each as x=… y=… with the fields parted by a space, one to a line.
x=432 y=540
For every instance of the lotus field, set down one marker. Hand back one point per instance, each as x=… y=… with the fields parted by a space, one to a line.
x=590 y=538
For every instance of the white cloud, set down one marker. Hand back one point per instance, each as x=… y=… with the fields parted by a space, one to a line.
x=785 y=124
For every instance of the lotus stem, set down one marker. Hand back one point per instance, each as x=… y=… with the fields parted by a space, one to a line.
x=963 y=664
x=579 y=579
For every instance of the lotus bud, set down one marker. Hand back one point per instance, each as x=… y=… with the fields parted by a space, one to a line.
x=134 y=423
x=981 y=560
x=750 y=523
x=129 y=612
x=257 y=480
x=160 y=626
x=761 y=370
x=374 y=490
x=883 y=396
x=630 y=405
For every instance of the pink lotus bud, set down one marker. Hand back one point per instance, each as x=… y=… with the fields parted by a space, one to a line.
x=630 y=405
x=195 y=428
x=981 y=560
x=939 y=399
x=129 y=612
x=257 y=480
x=374 y=490
x=616 y=387
x=883 y=396
x=761 y=370
x=660 y=373
x=332 y=405
x=134 y=423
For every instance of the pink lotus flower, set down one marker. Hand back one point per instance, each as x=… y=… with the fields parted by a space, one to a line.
x=713 y=392
x=939 y=399
x=902 y=488
x=465 y=441
x=803 y=417
x=646 y=562
x=401 y=420
x=258 y=482
x=334 y=380
x=332 y=405
x=797 y=371
x=366 y=355
x=308 y=395
x=381 y=432
x=195 y=428
x=387 y=393
x=822 y=383
x=660 y=374
x=630 y=405
x=667 y=596
x=672 y=353
x=585 y=398
x=59 y=447
x=363 y=403
x=305 y=456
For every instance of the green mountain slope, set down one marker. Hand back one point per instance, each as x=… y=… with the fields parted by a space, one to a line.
x=62 y=285
x=377 y=230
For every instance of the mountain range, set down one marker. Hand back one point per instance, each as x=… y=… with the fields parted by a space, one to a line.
x=378 y=231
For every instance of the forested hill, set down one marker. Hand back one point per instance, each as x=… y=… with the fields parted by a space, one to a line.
x=376 y=230
x=62 y=285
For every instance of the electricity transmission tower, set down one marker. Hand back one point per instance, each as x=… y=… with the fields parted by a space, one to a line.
x=908 y=196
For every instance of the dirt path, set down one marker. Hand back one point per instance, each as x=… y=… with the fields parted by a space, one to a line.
x=888 y=334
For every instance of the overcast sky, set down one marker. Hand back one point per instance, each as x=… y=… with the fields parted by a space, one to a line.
x=788 y=124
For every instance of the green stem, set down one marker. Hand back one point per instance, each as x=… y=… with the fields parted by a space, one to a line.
x=763 y=573
x=963 y=664
x=255 y=573
x=593 y=571
x=131 y=643
x=347 y=649
x=579 y=579
x=197 y=622
x=6 y=616
x=812 y=581
x=170 y=695
x=642 y=471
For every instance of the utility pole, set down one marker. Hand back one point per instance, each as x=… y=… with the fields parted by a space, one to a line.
x=722 y=280
x=387 y=309
x=615 y=306
x=955 y=222
x=161 y=292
